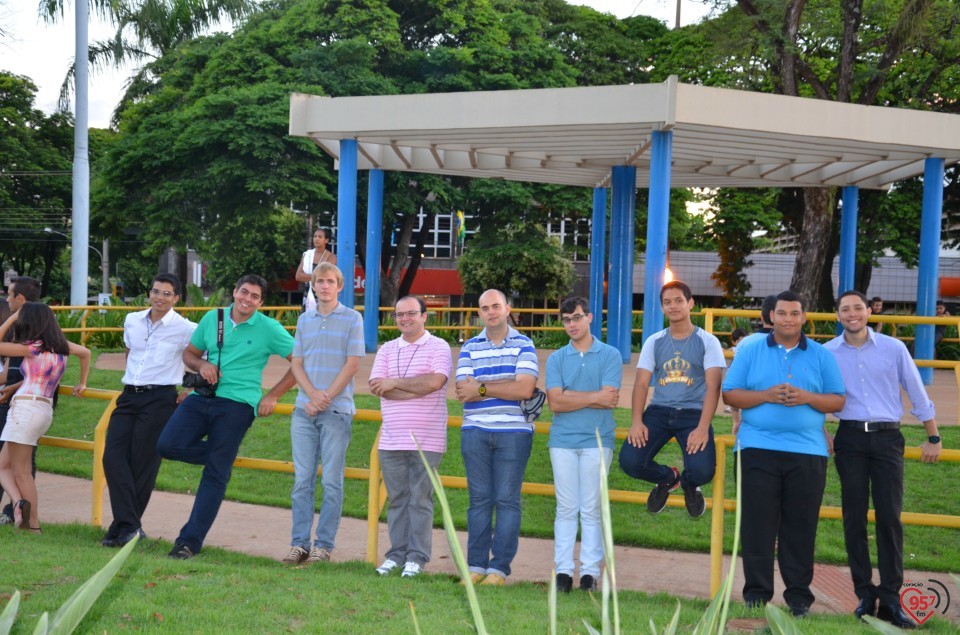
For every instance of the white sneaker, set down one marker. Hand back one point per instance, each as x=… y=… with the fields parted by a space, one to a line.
x=411 y=569
x=387 y=566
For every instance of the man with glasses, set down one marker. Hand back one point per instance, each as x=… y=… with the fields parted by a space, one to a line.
x=409 y=375
x=207 y=429
x=684 y=364
x=495 y=371
x=326 y=355
x=155 y=340
x=583 y=388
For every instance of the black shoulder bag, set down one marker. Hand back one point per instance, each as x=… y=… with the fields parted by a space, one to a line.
x=195 y=380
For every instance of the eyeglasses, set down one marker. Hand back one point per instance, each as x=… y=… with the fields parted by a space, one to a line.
x=166 y=294
x=406 y=314
x=576 y=317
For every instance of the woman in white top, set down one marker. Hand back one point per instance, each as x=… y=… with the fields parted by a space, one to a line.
x=310 y=259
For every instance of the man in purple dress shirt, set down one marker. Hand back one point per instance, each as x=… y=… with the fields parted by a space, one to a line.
x=869 y=452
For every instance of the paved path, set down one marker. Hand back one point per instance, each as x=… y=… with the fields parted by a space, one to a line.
x=265 y=531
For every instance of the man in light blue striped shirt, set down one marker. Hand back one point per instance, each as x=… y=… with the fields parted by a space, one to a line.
x=496 y=370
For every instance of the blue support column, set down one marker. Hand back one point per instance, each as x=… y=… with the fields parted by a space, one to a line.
x=848 y=237
x=598 y=259
x=658 y=224
x=613 y=277
x=347 y=217
x=929 y=260
x=621 y=287
x=371 y=292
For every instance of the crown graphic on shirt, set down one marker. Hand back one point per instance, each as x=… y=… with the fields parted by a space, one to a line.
x=675 y=371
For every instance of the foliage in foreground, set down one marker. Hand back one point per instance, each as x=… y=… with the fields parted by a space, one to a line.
x=76 y=607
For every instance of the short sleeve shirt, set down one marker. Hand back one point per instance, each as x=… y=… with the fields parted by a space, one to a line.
x=679 y=367
x=771 y=426
x=569 y=369
x=484 y=360
x=424 y=417
x=324 y=342
x=246 y=349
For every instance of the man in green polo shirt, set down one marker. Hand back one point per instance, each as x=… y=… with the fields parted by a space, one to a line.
x=208 y=430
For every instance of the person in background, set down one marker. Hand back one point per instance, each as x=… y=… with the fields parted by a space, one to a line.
x=37 y=338
x=736 y=336
x=940 y=329
x=309 y=260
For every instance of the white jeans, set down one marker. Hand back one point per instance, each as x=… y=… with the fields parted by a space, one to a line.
x=576 y=477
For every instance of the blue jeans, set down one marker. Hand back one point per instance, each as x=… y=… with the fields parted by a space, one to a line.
x=662 y=425
x=576 y=478
x=495 y=463
x=318 y=440
x=224 y=423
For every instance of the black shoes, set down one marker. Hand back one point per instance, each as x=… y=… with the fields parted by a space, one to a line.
x=180 y=551
x=799 y=611
x=122 y=539
x=894 y=614
x=564 y=583
x=866 y=606
x=693 y=498
x=657 y=499
x=588 y=583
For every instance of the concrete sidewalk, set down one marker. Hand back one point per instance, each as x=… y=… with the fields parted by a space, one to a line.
x=265 y=531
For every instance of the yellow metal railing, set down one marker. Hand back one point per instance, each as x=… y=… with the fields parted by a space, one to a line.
x=376 y=491
x=467 y=324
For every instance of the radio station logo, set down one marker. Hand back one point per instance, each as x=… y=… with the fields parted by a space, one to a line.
x=921 y=599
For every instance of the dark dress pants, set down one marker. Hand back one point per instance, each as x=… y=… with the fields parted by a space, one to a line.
x=781 y=496
x=130 y=457
x=872 y=461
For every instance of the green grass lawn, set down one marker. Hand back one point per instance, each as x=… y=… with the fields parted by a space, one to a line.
x=929 y=488
x=228 y=592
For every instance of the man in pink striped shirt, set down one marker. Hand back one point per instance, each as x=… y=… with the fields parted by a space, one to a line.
x=410 y=375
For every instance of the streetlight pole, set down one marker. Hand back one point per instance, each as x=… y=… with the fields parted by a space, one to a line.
x=104 y=260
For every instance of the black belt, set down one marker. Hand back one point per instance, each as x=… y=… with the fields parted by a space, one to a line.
x=147 y=388
x=870 y=426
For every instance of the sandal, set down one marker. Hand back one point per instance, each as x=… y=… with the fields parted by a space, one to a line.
x=33 y=530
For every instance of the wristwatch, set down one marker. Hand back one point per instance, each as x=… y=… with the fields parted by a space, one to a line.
x=934 y=438
x=483 y=391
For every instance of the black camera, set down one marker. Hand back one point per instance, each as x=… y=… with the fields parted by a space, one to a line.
x=200 y=385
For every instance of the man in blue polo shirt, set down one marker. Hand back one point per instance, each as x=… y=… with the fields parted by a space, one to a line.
x=784 y=386
x=583 y=388
x=326 y=356
x=495 y=371
x=207 y=430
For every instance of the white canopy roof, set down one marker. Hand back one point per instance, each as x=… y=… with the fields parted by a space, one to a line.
x=573 y=136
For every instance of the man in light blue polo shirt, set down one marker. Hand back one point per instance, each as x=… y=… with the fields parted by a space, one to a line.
x=326 y=355
x=495 y=371
x=583 y=388
x=785 y=386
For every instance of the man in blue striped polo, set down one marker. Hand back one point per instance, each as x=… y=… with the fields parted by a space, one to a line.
x=496 y=370
x=326 y=355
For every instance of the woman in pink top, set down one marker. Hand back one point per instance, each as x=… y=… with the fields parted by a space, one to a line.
x=35 y=336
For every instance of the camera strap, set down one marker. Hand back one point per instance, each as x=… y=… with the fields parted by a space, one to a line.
x=219 y=339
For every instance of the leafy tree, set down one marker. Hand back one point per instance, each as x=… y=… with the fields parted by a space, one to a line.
x=35 y=165
x=519 y=259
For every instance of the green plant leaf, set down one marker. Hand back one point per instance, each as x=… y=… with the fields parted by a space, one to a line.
x=780 y=623
x=9 y=613
x=42 y=627
x=71 y=613
x=552 y=603
x=416 y=622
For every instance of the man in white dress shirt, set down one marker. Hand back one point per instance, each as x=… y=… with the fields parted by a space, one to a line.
x=155 y=339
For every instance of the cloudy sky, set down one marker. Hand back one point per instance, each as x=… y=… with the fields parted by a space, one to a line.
x=43 y=52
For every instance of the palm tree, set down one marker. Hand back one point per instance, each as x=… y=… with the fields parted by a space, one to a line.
x=146 y=30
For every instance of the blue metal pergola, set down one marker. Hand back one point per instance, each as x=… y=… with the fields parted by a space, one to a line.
x=620 y=138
